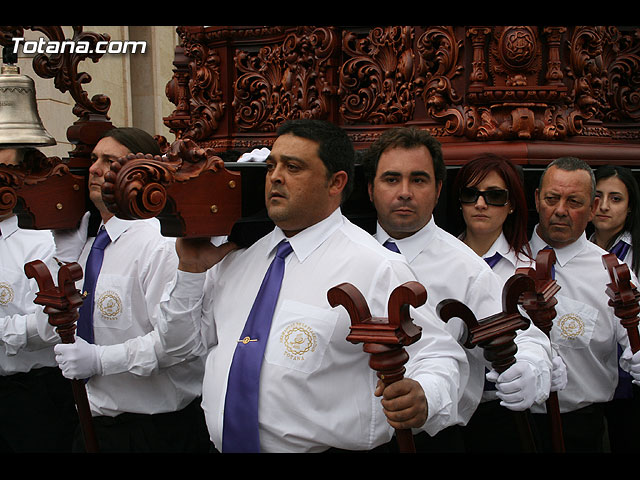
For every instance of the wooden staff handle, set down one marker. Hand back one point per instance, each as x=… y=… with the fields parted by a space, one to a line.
x=384 y=339
x=496 y=336
x=540 y=306
x=61 y=305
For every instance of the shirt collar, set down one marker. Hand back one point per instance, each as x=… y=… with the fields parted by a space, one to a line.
x=9 y=226
x=411 y=246
x=306 y=241
x=116 y=226
x=501 y=246
x=563 y=254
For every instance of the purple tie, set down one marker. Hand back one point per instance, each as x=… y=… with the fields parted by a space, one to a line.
x=391 y=246
x=620 y=249
x=493 y=260
x=240 y=431
x=92 y=269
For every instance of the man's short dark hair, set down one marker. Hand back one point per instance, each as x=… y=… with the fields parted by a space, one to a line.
x=334 y=146
x=570 y=164
x=404 y=137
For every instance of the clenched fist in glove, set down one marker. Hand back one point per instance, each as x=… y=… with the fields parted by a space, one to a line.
x=78 y=360
x=516 y=386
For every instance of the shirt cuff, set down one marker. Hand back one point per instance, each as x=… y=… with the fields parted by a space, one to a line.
x=186 y=283
x=113 y=359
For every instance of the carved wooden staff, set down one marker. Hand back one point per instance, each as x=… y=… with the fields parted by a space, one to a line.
x=496 y=334
x=61 y=304
x=540 y=306
x=623 y=297
x=383 y=338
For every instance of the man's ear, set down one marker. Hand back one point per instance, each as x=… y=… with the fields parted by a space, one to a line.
x=338 y=182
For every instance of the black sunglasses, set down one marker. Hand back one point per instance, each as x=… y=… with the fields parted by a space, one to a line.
x=497 y=198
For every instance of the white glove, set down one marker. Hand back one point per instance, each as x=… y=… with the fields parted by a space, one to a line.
x=516 y=386
x=69 y=243
x=558 y=374
x=631 y=363
x=78 y=360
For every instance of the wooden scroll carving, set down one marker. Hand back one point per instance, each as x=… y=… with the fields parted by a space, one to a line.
x=61 y=303
x=189 y=190
x=496 y=335
x=383 y=338
x=42 y=192
x=540 y=306
x=623 y=297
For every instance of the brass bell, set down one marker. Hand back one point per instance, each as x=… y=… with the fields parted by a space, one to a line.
x=20 y=124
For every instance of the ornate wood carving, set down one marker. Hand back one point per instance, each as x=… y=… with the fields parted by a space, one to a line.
x=285 y=81
x=376 y=77
x=467 y=85
x=383 y=338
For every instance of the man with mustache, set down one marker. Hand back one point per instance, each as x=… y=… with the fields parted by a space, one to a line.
x=585 y=331
x=405 y=171
x=311 y=390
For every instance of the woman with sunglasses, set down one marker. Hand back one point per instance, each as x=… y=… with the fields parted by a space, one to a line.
x=617 y=230
x=493 y=207
x=494 y=210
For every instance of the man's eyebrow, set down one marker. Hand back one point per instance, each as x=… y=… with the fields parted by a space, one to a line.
x=415 y=173
x=286 y=158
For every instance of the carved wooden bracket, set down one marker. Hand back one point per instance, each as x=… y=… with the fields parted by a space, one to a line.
x=623 y=297
x=42 y=192
x=189 y=190
x=383 y=338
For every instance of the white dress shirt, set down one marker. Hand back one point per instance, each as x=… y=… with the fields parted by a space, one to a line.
x=506 y=267
x=138 y=376
x=625 y=237
x=449 y=269
x=322 y=397
x=585 y=330
x=20 y=346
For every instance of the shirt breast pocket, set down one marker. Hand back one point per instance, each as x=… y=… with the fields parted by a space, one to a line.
x=300 y=336
x=574 y=323
x=112 y=303
x=14 y=286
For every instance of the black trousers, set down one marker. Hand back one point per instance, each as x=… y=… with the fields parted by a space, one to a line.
x=184 y=431
x=582 y=430
x=623 y=423
x=37 y=412
x=494 y=429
